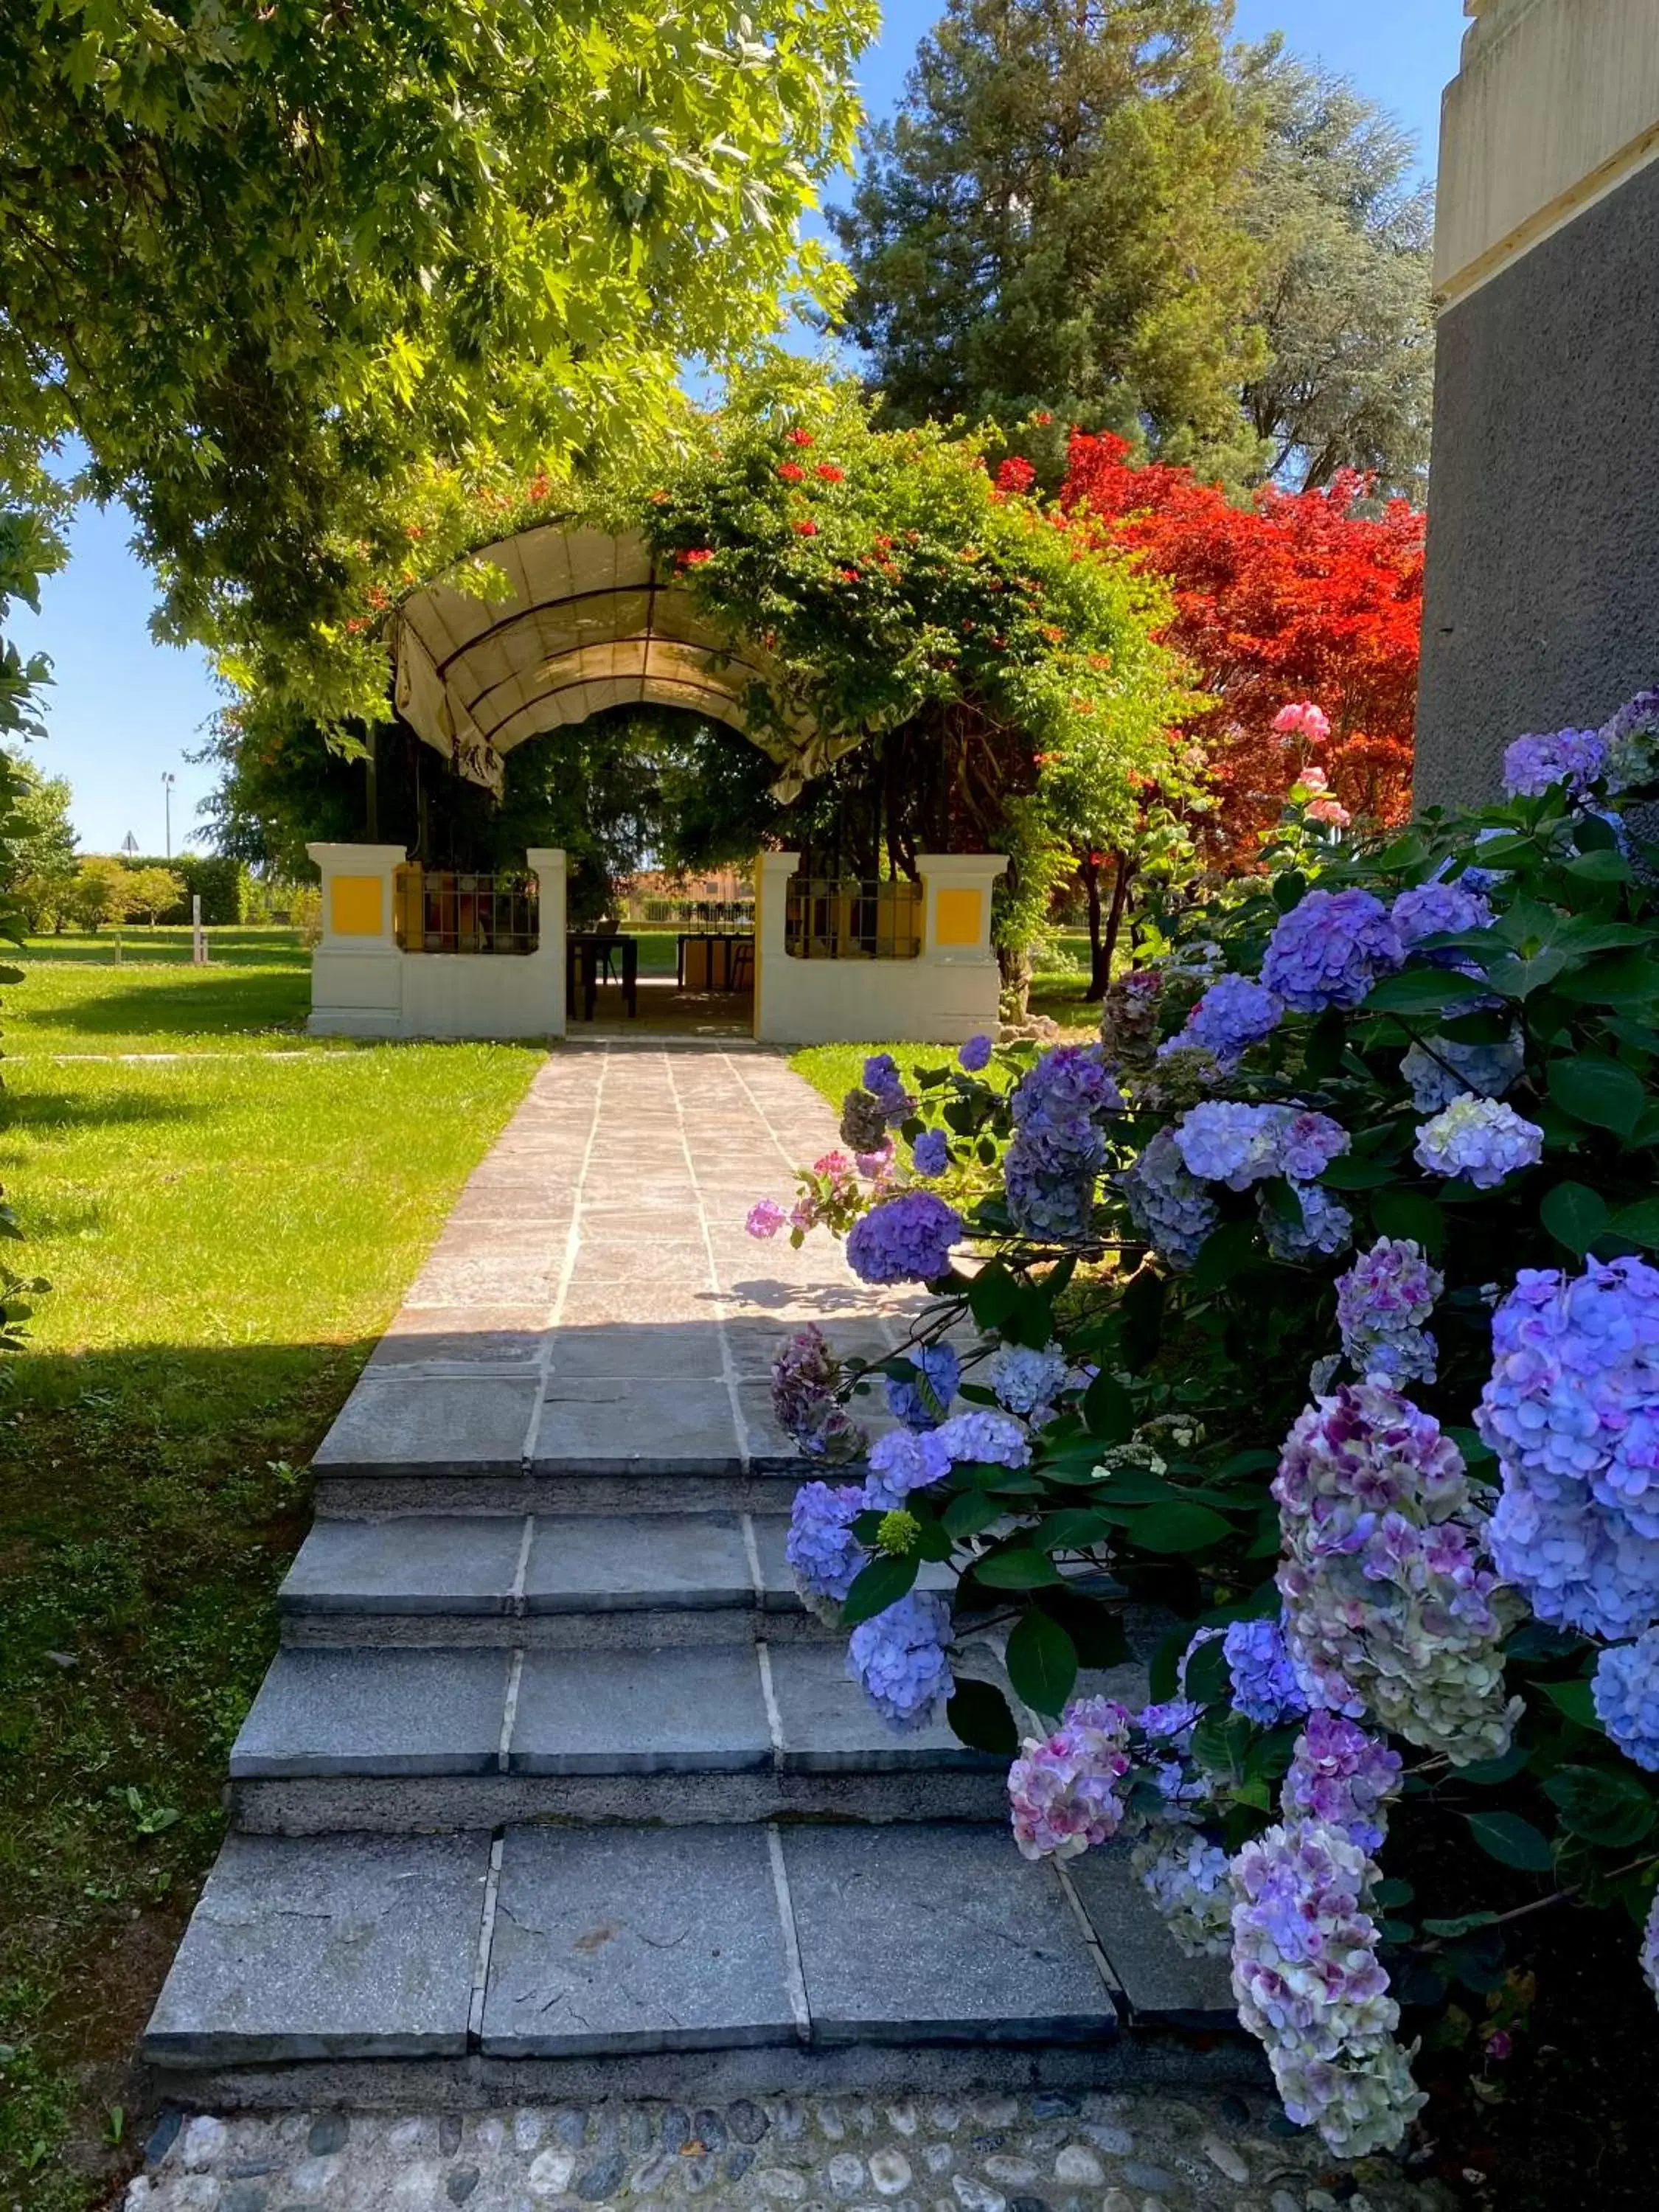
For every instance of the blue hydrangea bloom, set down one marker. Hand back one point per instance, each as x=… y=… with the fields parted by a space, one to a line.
x=1059 y=1150
x=900 y=1661
x=1325 y=1227
x=984 y=1437
x=931 y=1153
x=1479 y=1140
x=1264 y=1687
x=903 y=1461
x=885 y=1085
x=1235 y=1013
x=1574 y=757
x=1626 y=1695
x=1024 y=1378
x=906 y=1240
x=1330 y=949
x=1443 y=1070
x=1435 y=910
x=1382 y=1303
x=924 y=1401
x=1223 y=1141
x=825 y=1556
x=1170 y=1206
x=975 y=1054
x=1631 y=739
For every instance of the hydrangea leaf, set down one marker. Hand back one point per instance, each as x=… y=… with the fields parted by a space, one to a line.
x=1180 y=1527
x=1019 y=1568
x=1602 y=1805
x=880 y=1584
x=1512 y=1841
x=1041 y=1662
x=1604 y=1094
x=979 y=1717
x=1574 y=1216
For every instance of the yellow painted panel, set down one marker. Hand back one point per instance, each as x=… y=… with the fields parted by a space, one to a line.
x=958 y=917
x=355 y=907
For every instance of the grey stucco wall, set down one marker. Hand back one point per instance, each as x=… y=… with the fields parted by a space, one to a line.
x=1542 y=601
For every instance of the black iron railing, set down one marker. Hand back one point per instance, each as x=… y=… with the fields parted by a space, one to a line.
x=453 y=910
x=842 y=918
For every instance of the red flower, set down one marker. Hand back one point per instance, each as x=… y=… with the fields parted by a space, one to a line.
x=1016 y=475
x=659 y=499
x=792 y=472
x=1053 y=633
x=807 y=529
x=800 y=437
x=849 y=576
x=695 y=557
x=1044 y=417
x=540 y=486
x=829 y=472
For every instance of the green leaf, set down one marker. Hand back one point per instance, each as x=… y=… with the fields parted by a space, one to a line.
x=1574 y=1216
x=1465 y=1925
x=1041 y=1662
x=1603 y=867
x=880 y=1584
x=1410 y=1214
x=1109 y=1409
x=992 y=1295
x=1348 y=1173
x=970 y=1513
x=1639 y=1224
x=1226 y=1252
x=1630 y=979
x=1421 y=990
x=1602 y=1093
x=1095 y=1627
x=1072 y=1528
x=1574 y=1699
x=1392 y=1890
x=1017 y=1569
x=1486 y=1773
x=979 y=1714
x=1179 y=1527
x=1602 y=1805
x=1512 y=1841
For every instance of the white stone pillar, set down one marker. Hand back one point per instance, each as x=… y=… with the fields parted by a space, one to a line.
x=775 y=1017
x=550 y=867
x=356 y=970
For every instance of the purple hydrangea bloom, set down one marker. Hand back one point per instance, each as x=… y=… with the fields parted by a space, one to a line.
x=1025 y=1379
x=825 y=1556
x=1224 y=1142
x=1532 y=765
x=805 y=1375
x=1481 y=1140
x=1310 y=1986
x=1308 y=1143
x=900 y=1661
x=1170 y=1206
x=1264 y=1684
x=1171 y=1723
x=1571 y=1408
x=1626 y=1694
x=1062 y=1792
x=1388 y=1605
x=1330 y=949
x=1324 y=1227
x=766 y=1218
x=1437 y=909
x=1340 y=1775
x=885 y=1085
x=1188 y=1879
x=923 y=1401
x=976 y=1055
x=1631 y=739
x=931 y=1153
x=983 y=1438
x=1382 y=1303
x=1235 y=1013
x=1059 y=1150
x=1442 y=1070
x=907 y=1239
x=903 y=1461
x=1649 y=1952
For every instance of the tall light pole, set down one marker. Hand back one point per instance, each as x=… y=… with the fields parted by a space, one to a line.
x=168 y=779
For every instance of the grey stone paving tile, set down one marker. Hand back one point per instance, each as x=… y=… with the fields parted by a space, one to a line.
x=1161 y=1984
x=692 y=1709
x=401 y=1424
x=640 y=1352
x=463 y=1336
x=606 y=1562
x=372 y=1711
x=755 y=1345
x=619 y=1426
x=488 y=1278
x=420 y=1563
x=664 y=1939
x=588 y=1305
x=633 y=1260
x=924 y=1934
x=830 y=1727
x=327 y=1947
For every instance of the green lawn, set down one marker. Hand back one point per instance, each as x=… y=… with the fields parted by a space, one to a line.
x=262 y=944
x=225 y=1237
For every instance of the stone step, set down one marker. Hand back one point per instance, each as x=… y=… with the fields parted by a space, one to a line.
x=472 y=1737
x=585 y=1953
x=593 y=1581
x=356 y=1496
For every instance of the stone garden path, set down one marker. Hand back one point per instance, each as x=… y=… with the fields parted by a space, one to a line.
x=553 y=1791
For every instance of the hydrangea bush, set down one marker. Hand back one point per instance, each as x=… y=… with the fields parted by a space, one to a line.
x=1313 y=1309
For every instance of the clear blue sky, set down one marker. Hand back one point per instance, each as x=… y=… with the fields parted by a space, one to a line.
x=124 y=711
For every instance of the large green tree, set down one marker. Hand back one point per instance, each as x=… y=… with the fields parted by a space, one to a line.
x=1345 y=291
x=264 y=261
x=1055 y=219
x=40 y=838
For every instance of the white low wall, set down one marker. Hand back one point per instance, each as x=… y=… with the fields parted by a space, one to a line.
x=946 y=995
x=363 y=986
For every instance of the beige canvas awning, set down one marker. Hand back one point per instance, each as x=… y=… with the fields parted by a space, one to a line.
x=589 y=623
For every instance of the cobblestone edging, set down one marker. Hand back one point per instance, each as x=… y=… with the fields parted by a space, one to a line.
x=1049 y=2151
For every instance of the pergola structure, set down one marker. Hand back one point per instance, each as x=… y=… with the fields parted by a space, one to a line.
x=589 y=621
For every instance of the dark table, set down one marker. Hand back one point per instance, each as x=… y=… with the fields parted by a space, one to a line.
x=588 y=950
x=714 y=960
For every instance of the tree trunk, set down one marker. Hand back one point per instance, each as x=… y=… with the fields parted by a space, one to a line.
x=1115 y=921
x=1100 y=960
x=1015 y=961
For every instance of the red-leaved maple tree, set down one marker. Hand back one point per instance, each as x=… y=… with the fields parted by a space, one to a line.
x=1296 y=596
